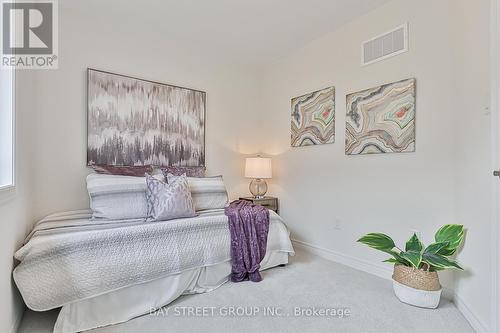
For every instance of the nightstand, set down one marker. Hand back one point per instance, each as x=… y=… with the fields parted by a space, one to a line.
x=270 y=203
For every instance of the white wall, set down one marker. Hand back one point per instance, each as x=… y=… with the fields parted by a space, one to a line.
x=139 y=51
x=392 y=193
x=321 y=188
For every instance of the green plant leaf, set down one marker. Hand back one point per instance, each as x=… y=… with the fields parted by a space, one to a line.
x=414 y=244
x=451 y=233
x=391 y=261
x=414 y=257
x=436 y=247
x=378 y=241
x=439 y=261
x=398 y=258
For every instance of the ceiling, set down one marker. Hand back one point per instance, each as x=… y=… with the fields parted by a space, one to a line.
x=248 y=31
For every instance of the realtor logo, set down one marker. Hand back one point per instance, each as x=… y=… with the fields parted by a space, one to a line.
x=29 y=34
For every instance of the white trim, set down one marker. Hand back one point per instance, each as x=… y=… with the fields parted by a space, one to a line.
x=5 y=188
x=495 y=143
x=17 y=323
x=14 y=129
x=405 y=48
x=385 y=272
x=12 y=185
x=382 y=271
x=473 y=320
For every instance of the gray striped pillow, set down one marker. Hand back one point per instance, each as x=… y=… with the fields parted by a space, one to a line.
x=207 y=192
x=117 y=197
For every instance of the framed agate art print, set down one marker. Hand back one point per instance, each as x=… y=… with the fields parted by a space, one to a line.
x=313 y=118
x=135 y=122
x=381 y=119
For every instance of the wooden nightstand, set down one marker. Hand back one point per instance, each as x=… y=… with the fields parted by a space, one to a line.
x=270 y=203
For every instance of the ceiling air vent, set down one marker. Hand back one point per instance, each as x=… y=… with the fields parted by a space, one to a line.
x=385 y=46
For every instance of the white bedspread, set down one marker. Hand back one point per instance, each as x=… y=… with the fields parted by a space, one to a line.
x=69 y=257
x=134 y=301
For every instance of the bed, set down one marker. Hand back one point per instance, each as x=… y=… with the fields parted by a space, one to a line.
x=109 y=271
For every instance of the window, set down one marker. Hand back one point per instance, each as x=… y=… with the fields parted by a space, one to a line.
x=6 y=128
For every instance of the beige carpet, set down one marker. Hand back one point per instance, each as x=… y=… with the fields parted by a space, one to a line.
x=308 y=285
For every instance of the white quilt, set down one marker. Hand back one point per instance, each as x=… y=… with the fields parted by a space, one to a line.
x=69 y=257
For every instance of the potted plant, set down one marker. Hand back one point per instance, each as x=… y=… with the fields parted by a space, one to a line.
x=415 y=278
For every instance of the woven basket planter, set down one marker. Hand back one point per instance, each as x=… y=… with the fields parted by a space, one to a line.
x=416 y=286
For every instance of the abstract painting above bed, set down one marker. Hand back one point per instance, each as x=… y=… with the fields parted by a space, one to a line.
x=313 y=118
x=133 y=122
x=381 y=119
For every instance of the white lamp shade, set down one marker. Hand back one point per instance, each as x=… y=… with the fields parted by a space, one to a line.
x=258 y=167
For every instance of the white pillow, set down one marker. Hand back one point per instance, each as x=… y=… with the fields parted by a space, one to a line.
x=207 y=192
x=117 y=197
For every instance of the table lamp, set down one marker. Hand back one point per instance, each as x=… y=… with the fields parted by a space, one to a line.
x=258 y=168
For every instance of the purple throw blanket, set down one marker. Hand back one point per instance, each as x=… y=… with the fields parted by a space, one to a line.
x=249 y=225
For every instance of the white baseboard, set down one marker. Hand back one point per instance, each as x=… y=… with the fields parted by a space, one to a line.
x=386 y=273
x=17 y=323
x=473 y=320
x=347 y=260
